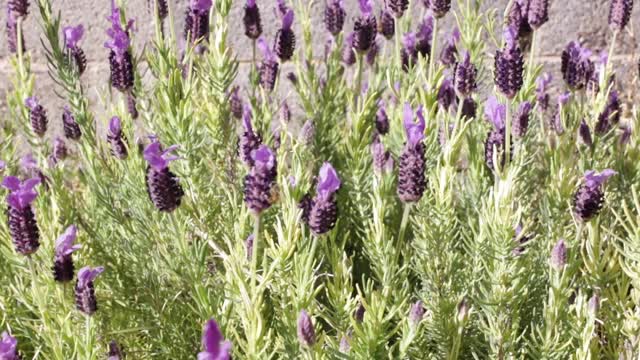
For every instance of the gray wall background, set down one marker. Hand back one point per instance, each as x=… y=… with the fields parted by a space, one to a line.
x=584 y=20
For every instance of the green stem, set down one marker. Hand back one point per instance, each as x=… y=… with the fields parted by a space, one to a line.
x=403 y=223
x=358 y=83
x=254 y=253
x=609 y=56
x=432 y=55
x=254 y=65
x=531 y=55
x=88 y=340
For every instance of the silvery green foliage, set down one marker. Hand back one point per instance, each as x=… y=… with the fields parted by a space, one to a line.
x=475 y=268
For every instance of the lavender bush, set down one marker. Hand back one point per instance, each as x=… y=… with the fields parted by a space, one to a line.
x=413 y=196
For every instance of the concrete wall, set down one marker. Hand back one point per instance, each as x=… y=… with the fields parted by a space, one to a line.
x=570 y=19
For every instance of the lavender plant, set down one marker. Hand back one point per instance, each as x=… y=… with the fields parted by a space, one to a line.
x=401 y=191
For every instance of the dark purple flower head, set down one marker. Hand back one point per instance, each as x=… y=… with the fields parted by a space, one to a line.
x=249 y=141
x=18 y=8
x=518 y=18
x=588 y=200
x=116 y=139
x=22 y=194
x=584 y=134
x=387 y=24
x=469 y=108
x=285 y=39
x=411 y=174
x=611 y=114
x=464 y=76
x=398 y=7
x=413 y=130
x=495 y=112
x=306 y=332
x=158 y=158
x=424 y=36
x=334 y=15
x=269 y=67
x=559 y=255
x=538 y=13
x=449 y=52
x=521 y=120
x=251 y=19
x=322 y=210
x=509 y=65
x=70 y=126
x=620 y=14
x=440 y=8
x=365 y=27
x=85 y=293
x=382 y=160
x=409 y=54
x=348 y=54
x=446 y=94
x=577 y=68
x=196 y=26
x=8 y=347
x=72 y=35
x=235 y=103
x=542 y=87
x=382 y=120
x=213 y=344
x=115 y=353
x=37 y=116
x=60 y=150
x=260 y=183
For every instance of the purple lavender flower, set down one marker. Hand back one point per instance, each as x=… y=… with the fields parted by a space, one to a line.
x=116 y=139
x=440 y=8
x=19 y=8
x=163 y=186
x=538 y=13
x=372 y=54
x=576 y=66
x=37 y=116
x=60 y=150
x=469 y=108
x=364 y=28
x=424 y=36
x=85 y=294
x=348 y=52
x=70 y=126
x=260 y=184
x=249 y=141
x=387 y=24
x=285 y=113
x=542 y=87
x=30 y=167
x=213 y=343
x=308 y=132
x=323 y=212
x=416 y=313
x=625 y=135
x=589 y=198
x=518 y=19
x=496 y=139
x=509 y=65
x=268 y=68
x=584 y=134
x=72 y=35
x=382 y=160
x=398 y=7
x=559 y=255
x=446 y=94
x=448 y=56
x=8 y=347
x=12 y=32
x=196 y=24
x=610 y=116
x=251 y=19
x=411 y=174
x=464 y=76
x=382 y=120
x=21 y=219
x=306 y=332
x=409 y=53
x=285 y=41
x=620 y=14
x=63 y=262
x=235 y=103
x=334 y=15
x=120 y=59
x=521 y=120
x=358 y=314
x=114 y=351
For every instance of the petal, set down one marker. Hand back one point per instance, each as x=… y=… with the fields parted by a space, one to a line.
x=287 y=20
x=211 y=337
x=328 y=182
x=11 y=182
